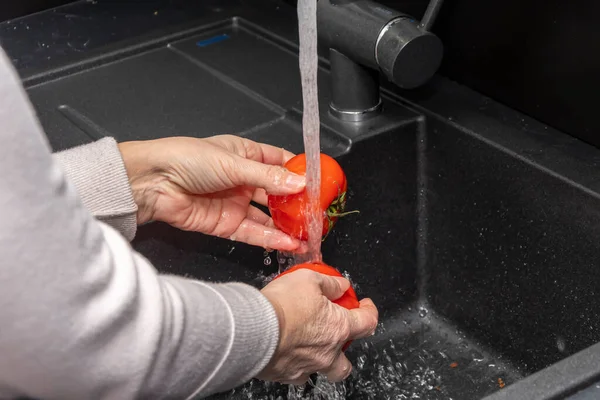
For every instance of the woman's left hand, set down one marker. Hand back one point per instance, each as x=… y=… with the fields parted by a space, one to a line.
x=206 y=185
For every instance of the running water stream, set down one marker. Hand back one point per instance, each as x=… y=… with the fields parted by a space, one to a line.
x=309 y=65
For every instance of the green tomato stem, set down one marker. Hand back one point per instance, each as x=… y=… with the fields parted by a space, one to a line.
x=337 y=215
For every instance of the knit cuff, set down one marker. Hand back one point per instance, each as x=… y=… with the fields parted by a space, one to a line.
x=98 y=173
x=255 y=336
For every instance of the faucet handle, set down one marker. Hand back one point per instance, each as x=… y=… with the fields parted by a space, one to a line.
x=433 y=9
x=408 y=55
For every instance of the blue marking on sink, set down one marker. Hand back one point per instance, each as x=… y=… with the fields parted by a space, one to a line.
x=212 y=40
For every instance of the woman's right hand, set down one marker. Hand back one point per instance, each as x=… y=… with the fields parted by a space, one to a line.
x=313 y=329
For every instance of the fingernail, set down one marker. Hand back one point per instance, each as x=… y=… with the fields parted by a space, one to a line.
x=294 y=181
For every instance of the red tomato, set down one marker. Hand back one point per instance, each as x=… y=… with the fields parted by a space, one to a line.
x=288 y=212
x=349 y=300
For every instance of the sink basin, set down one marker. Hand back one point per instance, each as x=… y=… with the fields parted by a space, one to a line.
x=478 y=228
x=480 y=264
x=473 y=257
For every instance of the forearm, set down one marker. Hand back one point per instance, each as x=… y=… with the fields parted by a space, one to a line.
x=100 y=178
x=87 y=316
x=103 y=317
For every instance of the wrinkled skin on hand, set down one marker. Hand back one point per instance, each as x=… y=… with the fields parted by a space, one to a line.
x=207 y=185
x=313 y=329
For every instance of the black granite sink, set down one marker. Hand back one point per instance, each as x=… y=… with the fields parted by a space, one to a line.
x=472 y=255
x=479 y=230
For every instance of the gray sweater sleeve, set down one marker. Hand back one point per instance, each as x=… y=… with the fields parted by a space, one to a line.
x=86 y=317
x=99 y=176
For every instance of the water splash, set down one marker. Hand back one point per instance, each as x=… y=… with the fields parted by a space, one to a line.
x=286 y=260
x=414 y=361
x=379 y=373
x=356 y=287
x=261 y=279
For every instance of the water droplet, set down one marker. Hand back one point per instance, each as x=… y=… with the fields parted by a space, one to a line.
x=422 y=312
x=560 y=344
x=267 y=261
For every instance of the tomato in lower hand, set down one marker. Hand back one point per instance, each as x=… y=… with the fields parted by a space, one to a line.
x=288 y=212
x=349 y=300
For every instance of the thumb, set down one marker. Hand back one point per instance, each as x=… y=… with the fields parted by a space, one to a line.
x=333 y=287
x=273 y=178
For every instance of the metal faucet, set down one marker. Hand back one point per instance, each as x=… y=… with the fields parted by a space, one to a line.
x=366 y=38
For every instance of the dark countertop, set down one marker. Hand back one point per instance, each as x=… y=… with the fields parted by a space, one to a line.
x=79 y=30
x=83 y=30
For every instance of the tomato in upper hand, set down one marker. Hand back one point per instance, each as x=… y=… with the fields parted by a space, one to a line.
x=349 y=300
x=288 y=212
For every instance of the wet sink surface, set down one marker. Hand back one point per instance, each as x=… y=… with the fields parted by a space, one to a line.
x=411 y=357
x=481 y=261
x=416 y=350
x=456 y=254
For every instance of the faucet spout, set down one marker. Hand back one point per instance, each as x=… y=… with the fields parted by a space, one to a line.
x=354 y=89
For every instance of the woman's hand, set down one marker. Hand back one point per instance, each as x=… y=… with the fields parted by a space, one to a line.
x=312 y=328
x=206 y=185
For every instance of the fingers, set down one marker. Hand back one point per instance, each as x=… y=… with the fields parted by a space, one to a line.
x=258 y=216
x=273 y=179
x=260 y=197
x=258 y=165
x=252 y=150
x=271 y=237
x=333 y=287
x=274 y=155
x=339 y=370
x=266 y=153
x=363 y=320
x=257 y=234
